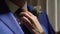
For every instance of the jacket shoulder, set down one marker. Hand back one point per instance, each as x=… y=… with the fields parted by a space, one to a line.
x=4 y=29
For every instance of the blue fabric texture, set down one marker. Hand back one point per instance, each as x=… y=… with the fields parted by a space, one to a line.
x=44 y=21
x=9 y=25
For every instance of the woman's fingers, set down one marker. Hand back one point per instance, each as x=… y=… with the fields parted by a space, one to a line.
x=26 y=22
x=31 y=20
x=27 y=16
x=30 y=13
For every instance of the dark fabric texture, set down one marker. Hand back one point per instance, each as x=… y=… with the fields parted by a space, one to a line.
x=3 y=7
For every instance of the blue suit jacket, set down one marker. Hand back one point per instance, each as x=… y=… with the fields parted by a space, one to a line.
x=44 y=21
x=9 y=25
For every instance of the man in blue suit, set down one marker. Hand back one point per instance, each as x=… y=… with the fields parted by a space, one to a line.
x=9 y=24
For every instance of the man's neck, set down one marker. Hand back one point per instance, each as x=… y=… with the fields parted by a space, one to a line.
x=14 y=7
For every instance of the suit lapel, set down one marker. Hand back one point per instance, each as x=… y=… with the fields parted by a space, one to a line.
x=11 y=22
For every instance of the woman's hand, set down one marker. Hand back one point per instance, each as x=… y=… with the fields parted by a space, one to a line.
x=31 y=22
